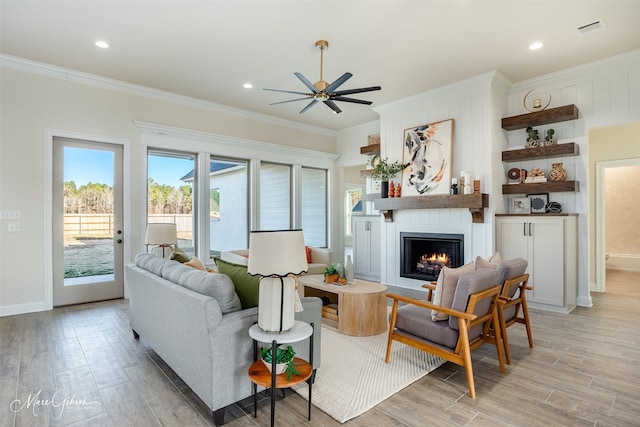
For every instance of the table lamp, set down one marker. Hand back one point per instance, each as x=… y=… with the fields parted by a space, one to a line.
x=162 y=235
x=275 y=255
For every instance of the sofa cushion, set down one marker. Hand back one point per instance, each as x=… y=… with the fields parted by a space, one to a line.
x=195 y=263
x=151 y=263
x=417 y=321
x=446 y=287
x=179 y=255
x=307 y=251
x=217 y=286
x=235 y=258
x=246 y=286
x=492 y=262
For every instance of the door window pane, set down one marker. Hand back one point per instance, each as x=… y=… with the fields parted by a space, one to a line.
x=275 y=197
x=228 y=212
x=314 y=206
x=170 y=194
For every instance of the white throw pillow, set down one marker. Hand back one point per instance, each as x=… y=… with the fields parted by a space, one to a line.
x=234 y=258
x=446 y=288
x=492 y=262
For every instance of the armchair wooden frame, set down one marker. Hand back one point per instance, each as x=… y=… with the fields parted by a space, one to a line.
x=519 y=301
x=467 y=320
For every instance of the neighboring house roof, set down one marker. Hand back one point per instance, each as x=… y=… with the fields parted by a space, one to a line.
x=213 y=167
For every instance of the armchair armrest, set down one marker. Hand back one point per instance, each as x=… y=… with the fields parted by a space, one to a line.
x=431 y=288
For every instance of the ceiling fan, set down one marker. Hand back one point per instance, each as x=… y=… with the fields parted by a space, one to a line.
x=322 y=91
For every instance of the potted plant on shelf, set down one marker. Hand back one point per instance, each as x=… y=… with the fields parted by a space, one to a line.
x=331 y=273
x=384 y=170
x=284 y=360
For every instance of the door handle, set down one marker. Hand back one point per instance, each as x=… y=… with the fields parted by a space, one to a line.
x=524 y=228
x=529 y=229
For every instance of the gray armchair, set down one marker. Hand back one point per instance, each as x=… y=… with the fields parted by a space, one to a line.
x=473 y=320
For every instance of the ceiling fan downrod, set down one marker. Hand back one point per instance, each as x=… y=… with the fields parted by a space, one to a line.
x=323 y=45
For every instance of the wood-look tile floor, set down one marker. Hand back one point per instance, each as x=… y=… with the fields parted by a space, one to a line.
x=584 y=370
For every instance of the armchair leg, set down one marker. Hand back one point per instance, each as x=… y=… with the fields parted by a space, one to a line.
x=525 y=312
x=392 y=325
x=218 y=417
x=135 y=334
x=505 y=338
x=466 y=356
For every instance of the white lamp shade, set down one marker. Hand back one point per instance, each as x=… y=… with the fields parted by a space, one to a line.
x=161 y=234
x=277 y=253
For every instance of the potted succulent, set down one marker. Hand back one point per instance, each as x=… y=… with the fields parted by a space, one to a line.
x=331 y=273
x=284 y=360
x=384 y=170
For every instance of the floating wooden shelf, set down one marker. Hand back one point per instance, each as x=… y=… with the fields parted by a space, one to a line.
x=558 y=150
x=370 y=149
x=540 y=187
x=474 y=202
x=552 y=115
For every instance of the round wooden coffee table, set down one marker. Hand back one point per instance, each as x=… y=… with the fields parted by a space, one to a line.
x=362 y=306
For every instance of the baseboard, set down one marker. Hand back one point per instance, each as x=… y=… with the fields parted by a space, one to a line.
x=31 y=307
x=623 y=262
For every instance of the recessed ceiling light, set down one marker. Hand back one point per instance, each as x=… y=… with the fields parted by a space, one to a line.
x=102 y=44
x=247 y=85
x=535 y=46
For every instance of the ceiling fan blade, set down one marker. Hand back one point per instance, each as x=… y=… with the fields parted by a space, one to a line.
x=288 y=91
x=309 y=105
x=359 y=90
x=306 y=82
x=339 y=81
x=333 y=106
x=290 y=100
x=355 y=101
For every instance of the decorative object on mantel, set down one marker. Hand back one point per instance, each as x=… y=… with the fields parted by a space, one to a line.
x=427 y=153
x=550 y=139
x=454 y=185
x=392 y=189
x=476 y=185
x=533 y=140
x=558 y=173
x=538 y=202
x=535 y=175
x=397 y=191
x=383 y=170
x=553 y=207
x=537 y=103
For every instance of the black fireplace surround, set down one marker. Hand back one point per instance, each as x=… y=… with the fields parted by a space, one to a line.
x=422 y=255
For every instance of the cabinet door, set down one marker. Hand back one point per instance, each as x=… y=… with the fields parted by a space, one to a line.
x=546 y=261
x=361 y=252
x=512 y=238
x=375 y=251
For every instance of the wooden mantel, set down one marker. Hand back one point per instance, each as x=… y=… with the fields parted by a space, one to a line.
x=475 y=202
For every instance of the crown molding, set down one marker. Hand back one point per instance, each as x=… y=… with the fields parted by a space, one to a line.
x=34 y=67
x=230 y=142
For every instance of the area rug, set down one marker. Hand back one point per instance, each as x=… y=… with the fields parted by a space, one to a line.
x=353 y=376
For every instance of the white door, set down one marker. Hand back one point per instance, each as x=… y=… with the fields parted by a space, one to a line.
x=87 y=221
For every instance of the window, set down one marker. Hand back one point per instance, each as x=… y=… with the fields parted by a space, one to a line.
x=314 y=206
x=170 y=193
x=228 y=211
x=275 y=196
x=353 y=206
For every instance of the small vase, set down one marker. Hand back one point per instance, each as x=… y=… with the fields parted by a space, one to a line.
x=558 y=173
x=348 y=273
x=331 y=278
x=280 y=367
x=384 y=189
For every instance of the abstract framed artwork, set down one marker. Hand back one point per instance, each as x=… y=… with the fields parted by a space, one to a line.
x=427 y=153
x=538 y=202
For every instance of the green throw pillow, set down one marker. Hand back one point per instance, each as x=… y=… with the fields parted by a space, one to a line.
x=179 y=255
x=246 y=285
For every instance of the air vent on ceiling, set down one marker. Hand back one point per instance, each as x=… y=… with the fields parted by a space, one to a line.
x=597 y=25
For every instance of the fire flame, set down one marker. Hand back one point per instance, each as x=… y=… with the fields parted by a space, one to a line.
x=442 y=258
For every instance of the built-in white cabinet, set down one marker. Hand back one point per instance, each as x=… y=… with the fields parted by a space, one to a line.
x=367 y=253
x=549 y=244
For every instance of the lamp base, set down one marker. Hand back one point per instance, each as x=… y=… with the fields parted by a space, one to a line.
x=276 y=304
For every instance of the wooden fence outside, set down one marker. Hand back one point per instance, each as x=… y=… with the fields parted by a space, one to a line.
x=101 y=225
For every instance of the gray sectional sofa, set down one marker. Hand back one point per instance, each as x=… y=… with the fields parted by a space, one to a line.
x=193 y=320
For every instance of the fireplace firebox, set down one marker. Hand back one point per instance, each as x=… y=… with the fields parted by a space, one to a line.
x=423 y=255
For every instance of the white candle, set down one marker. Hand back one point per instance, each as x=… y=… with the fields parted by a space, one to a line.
x=454 y=181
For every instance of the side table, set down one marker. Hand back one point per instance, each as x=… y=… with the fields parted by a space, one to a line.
x=259 y=374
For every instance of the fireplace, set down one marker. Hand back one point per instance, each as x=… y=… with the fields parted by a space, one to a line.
x=422 y=255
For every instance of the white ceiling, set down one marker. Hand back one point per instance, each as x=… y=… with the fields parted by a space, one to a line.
x=208 y=49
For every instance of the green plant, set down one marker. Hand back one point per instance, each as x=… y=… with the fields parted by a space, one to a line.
x=282 y=356
x=383 y=169
x=331 y=269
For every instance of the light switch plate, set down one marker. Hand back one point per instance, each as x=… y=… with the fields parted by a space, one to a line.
x=9 y=214
x=14 y=227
